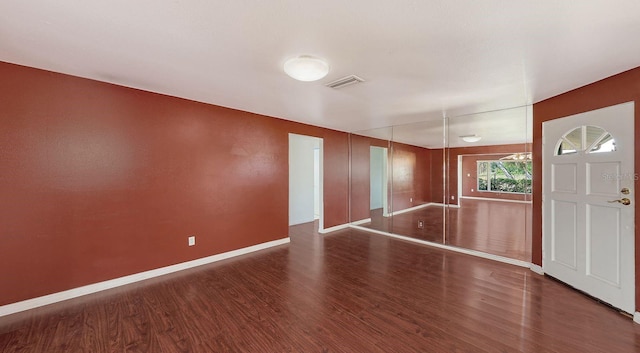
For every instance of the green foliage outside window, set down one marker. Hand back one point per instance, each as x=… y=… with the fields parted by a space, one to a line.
x=505 y=176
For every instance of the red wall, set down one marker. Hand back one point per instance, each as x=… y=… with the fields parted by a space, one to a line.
x=617 y=89
x=411 y=170
x=100 y=181
x=470 y=156
x=361 y=175
x=438 y=169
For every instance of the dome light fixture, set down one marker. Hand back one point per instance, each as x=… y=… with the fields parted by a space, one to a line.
x=471 y=138
x=306 y=68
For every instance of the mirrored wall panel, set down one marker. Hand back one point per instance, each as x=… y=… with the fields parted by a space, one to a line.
x=418 y=180
x=371 y=179
x=489 y=179
x=463 y=181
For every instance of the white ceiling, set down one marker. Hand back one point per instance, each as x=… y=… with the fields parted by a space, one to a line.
x=422 y=59
x=506 y=126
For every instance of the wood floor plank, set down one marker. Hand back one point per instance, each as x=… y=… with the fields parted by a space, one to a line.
x=349 y=291
x=495 y=227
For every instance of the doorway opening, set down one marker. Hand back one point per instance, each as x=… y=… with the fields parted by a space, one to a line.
x=305 y=180
x=378 y=198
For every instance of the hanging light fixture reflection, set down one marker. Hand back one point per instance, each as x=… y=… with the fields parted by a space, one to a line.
x=471 y=138
x=524 y=156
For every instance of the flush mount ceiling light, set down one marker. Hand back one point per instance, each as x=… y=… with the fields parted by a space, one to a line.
x=306 y=68
x=518 y=156
x=470 y=138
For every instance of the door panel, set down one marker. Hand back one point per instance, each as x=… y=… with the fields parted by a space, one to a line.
x=588 y=231
x=564 y=178
x=609 y=187
x=564 y=233
x=603 y=244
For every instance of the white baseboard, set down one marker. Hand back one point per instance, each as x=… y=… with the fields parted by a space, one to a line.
x=481 y=254
x=492 y=199
x=410 y=209
x=636 y=317
x=536 y=269
x=362 y=221
x=121 y=281
x=415 y=208
x=444 y=205
x=333 y=229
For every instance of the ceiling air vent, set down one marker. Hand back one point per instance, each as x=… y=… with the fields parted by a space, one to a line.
x=345 y=81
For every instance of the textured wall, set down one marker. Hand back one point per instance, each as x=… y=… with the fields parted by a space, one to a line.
x=99 y=181
x=411 y=173
x=624 y=87
x=410 y=169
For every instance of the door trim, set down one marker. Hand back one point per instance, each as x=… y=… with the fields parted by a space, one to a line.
x=630 y=300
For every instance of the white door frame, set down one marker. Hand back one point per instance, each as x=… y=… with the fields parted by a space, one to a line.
x=385 y=178
x=577 y=264
x=320 y=143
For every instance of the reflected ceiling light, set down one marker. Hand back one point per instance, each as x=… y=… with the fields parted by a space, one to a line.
x=518 y=156
x=471 y=138
x=306 y=68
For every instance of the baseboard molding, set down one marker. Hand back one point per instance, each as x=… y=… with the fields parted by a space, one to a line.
x=476 y=253
x=536 y=269
x=121 y=281
x=410 y=209
x=444 y=204
x=492 y=199
x=636 y=317
x=362 y=221
x=333 y=229
x=415 y=208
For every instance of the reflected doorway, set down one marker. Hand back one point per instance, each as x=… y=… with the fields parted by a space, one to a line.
x=379 y=180
x=462 y=181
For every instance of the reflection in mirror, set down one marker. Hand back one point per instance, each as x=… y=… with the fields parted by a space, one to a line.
x=489 y=183
x=412 y=172
x=371 y=184
x=463 y=181
x=418 y=180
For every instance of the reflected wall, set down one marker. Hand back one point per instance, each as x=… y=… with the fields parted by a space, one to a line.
x=362 y=175
x=441 y=186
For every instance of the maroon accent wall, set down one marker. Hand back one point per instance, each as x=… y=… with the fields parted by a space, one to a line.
x=361 y=174
x=437 y=170
x=410 y=173
x=470 y=156
x=99 y=181
x=411 y=170
x=616 y=89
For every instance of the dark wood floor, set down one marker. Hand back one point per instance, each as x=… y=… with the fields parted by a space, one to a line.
x=495 y=227
x=349 y=291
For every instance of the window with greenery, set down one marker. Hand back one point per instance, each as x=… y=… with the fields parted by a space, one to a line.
x=512 y=176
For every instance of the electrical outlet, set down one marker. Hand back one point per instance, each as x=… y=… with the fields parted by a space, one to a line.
x=192 y=240
x=453 y=197
x=411 y=199
x=420 y=224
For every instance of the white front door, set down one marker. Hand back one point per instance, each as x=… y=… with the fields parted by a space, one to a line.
x=588 y=203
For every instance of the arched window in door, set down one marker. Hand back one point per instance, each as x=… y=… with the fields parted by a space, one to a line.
x=585 y=139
